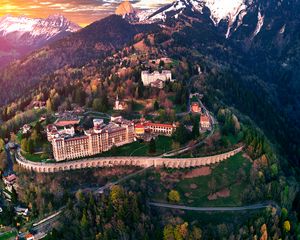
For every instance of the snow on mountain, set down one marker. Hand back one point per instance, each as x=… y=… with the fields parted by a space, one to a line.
x=229 y=10
x=218 y=8
x=221 y=10
x=34 y=31
x=260 y=23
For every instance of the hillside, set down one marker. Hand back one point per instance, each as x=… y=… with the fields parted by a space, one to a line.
x=90 y=43
x=26 y=34
x=188 y=33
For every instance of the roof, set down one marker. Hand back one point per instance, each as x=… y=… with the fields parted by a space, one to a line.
x=150 y=124
x=139 y=125
x=51 y=127
x=63 y=123
x=204 y=118
x=29 y=235
x=11 y=177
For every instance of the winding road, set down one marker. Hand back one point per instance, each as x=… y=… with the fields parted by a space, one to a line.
x=216 y=209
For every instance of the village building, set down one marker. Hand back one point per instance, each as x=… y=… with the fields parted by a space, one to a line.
x=42 y=118
x=99 y=139
x=29 y=236
x=26 y=128
x=158 y=84
x=204 y=122
x=152 y=78
x=195 y=107
x=10 y=179
x=154 y=128
x=66 y=122
x=53 y=131
x=119 y=105
x=39 y=104
x=139 y=129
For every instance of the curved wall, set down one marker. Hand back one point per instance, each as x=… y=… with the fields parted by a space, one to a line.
x=124 y=161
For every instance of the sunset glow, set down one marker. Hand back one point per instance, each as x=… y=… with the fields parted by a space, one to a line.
x=82 y=12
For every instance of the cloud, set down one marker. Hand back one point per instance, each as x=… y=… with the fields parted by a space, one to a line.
x=81 y=11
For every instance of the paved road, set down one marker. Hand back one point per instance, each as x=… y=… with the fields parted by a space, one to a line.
x=41 y=228
x=10 y=163
x=185 y=149
x=216 y=209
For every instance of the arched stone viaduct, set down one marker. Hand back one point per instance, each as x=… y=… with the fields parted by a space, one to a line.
x=124 y=161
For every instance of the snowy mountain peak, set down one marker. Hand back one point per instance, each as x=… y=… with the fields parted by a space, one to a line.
x=218 y=8
x=33 y=31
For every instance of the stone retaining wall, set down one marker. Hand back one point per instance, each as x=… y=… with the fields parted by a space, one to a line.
x=124 y=161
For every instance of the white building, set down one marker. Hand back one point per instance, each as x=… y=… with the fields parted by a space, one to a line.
x=149 y=78
x=26 y=128
x=119 y=105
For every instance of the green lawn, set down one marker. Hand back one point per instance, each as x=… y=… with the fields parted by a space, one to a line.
x=8 y=235
x=33 y=157
x=163 y=144
x=225 y=176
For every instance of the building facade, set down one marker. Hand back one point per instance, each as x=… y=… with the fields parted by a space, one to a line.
x=149 y=79
x=204 y=122
x=94 y=141
x=155 y=128
x=195 y=107
x=119 y=105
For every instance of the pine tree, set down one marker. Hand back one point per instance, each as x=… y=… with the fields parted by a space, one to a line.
x=152 y=146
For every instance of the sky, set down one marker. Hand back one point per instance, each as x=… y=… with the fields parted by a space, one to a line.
x=83 y=12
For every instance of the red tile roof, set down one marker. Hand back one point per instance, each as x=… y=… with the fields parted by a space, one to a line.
x=139 y=125
x=204 y=118
x=149 y=124
x=63 y=123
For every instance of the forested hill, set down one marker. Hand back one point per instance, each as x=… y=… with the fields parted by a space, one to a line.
x=90 y=43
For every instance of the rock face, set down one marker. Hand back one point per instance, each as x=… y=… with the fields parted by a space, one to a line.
x=125 y=9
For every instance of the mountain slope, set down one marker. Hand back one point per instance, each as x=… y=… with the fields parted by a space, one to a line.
x=27 y=34
x=90 y=43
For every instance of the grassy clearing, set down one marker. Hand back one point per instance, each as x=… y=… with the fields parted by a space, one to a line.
x=225 y=175
x=163 y=144
x=8 y=235
x=35 y=157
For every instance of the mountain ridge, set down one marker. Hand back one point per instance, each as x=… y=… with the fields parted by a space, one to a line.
x=28 y=34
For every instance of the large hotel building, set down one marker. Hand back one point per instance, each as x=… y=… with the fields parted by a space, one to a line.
x=99 y=139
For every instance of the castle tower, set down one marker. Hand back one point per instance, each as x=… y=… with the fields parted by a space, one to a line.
x=117 y=103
